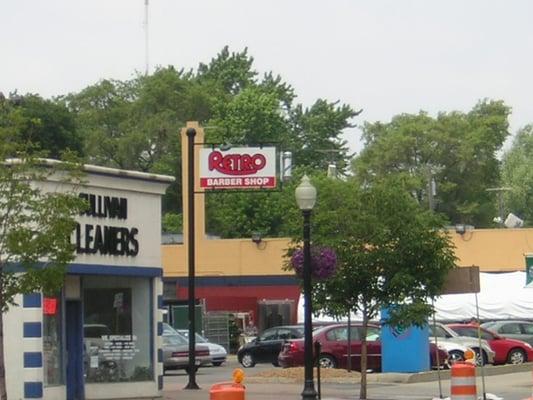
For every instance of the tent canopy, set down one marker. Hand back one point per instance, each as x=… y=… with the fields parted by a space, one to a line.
x=502 y=296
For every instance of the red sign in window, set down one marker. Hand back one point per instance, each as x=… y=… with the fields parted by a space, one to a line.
x=49 y=306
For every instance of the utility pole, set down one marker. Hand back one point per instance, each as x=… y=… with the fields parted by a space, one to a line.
x=499 y=193
x=431 y=188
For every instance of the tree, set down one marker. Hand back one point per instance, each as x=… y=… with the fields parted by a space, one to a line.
x=46 y=124
x=517 y=174
x=455 y=150
x=134 y=124
x=35 y=231
x=390 y=252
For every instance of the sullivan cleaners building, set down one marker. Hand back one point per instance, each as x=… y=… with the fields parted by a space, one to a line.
x=99 y=338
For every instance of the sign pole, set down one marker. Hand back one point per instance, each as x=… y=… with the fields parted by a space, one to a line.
x=191 y=133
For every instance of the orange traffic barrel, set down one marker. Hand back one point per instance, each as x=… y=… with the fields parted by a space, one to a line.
x=463 y=382
x=229 y=390
x=226 y=391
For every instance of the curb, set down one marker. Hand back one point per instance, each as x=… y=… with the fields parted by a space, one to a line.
x=489 y=370
x=398 y=377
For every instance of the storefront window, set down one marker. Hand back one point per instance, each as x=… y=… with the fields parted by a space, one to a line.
x=117 y=329
x=52 y=341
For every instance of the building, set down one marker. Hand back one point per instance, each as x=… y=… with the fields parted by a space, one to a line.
x=106 y=322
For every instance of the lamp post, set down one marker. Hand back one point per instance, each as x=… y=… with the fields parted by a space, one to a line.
x=305 y=198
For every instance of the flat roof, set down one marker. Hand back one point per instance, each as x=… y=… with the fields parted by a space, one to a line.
x=96 y=169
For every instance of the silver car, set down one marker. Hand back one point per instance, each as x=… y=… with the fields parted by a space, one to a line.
x=521 y=330
x=445 y=334
x=218 y=354
x=176 y=351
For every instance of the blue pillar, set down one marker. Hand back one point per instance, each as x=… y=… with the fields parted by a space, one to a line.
x=405 y=350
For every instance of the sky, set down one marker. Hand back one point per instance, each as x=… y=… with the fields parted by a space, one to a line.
x=386 y=57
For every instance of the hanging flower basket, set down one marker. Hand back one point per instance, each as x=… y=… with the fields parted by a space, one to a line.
x=323 y=262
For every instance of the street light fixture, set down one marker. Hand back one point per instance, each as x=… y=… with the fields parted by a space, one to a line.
x=305 y=195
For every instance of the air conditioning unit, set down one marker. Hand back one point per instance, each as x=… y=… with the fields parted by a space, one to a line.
x=512 y=221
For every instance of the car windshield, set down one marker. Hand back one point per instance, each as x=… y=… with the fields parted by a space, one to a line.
x=199 y=338
x=472 y=332
x=439 y=331
x=174 y=339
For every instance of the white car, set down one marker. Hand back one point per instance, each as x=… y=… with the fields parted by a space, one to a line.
x=217 y=353
x=456 y=351
x=445 y=335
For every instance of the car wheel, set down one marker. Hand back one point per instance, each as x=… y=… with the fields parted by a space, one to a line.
x=516 y=356
x=478 y=357
x=247 y=360
x=455 y=356
x=327 y=361
x=217 y=364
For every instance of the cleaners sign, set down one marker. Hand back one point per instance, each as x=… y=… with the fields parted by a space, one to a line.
x=238 y=168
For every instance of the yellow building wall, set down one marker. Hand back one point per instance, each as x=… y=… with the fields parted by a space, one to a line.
x=494 y=250
x=233 y=257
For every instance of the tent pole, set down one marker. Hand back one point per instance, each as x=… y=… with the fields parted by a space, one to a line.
x=480 y=351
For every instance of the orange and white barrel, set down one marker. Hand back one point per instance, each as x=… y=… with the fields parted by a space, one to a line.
x=463 y=382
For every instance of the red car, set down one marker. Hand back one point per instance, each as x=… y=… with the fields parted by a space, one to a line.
x=510 y=351
x=334 y=348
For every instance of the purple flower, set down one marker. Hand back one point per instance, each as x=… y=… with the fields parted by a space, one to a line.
x=323 y=262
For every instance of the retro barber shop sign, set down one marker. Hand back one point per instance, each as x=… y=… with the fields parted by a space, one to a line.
x=238 y=168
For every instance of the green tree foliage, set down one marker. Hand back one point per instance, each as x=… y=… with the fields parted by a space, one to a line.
x=458 y=150
x=517 y=174
x=135 y=125
x=46 y=125
x=391 y=252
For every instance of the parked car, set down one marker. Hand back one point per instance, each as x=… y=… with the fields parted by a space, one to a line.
x=520 y=330
x=176 y=351
x=93 y=335
x=334 y=348
x=448 y=339
x=266 y=347
x=217 y=353
x=509 y=351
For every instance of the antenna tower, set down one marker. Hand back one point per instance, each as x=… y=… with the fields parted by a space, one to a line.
x=147 y=65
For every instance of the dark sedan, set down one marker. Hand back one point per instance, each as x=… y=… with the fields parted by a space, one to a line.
x=266 y=347
x=334 y=348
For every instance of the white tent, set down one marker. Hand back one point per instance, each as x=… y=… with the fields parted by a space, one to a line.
x=502 y=296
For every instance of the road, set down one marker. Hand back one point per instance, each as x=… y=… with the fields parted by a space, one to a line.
x=515 y=386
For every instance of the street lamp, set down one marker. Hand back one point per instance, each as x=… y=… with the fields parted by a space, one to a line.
x=306 y=197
